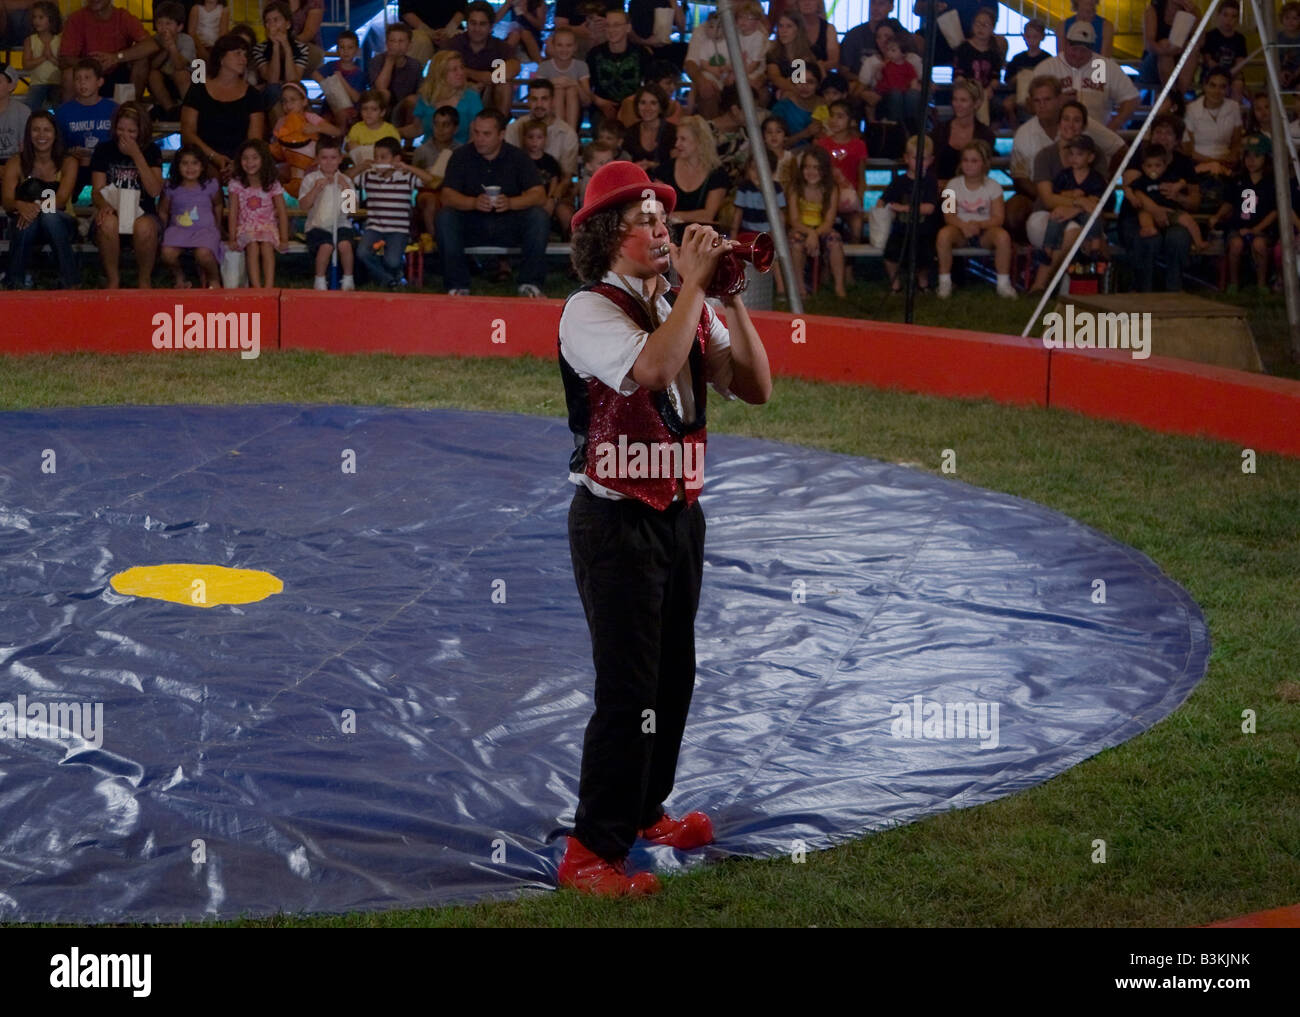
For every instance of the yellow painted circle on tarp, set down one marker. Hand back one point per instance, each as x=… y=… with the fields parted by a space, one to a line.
x=197 y=585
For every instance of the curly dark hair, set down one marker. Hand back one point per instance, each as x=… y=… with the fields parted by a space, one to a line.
x=595 y=244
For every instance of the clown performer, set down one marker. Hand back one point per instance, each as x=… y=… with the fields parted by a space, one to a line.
x=635 y=362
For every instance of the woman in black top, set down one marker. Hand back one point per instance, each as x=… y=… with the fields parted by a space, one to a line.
x=951 y=136
x=129 y=161
x=822 y=37
x=222 y=113
x=695 y=173
x=651 y=140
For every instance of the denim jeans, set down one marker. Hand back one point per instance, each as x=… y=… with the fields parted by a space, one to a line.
x=391 y=267
x=903 y=107
x=527 y=229
x=58 y=229
x=1173 y=243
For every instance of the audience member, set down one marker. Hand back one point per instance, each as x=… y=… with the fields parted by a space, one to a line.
x=129 y=162
x=395 y=74
x=1103 y=29
x=222 y=112
x=1161 y=55
x=86 y=119
x=13 y=114
x=952 y=136
x=811 y=212
x=41 y=54
x=489 y=63
x=446 y=84
x=1097 y=82
x=897 y=196
x=557 y=184
x=510 y=217
x=432 y=24
x=977 y=219
x=561 y=139
x=617 y=67
x=1224 y=48
x=258 y=223
x=40 y=170
x=529 y=19
x=787 y=53
x=848 y=155
x=1250 y=223
x=207 y=22
x=191 y=212
x=112 y=37
x=570 y=76
x=694 y=172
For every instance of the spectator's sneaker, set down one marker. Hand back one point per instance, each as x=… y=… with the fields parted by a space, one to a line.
x=693 y=830
x=945 y=289
x=587 y=872
x=348 y=283
x=320 y=283
x=458 y=293
x=529 y=290
x=1007 y=289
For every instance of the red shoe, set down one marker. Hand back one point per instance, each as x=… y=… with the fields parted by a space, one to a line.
x=583 y=870
x=693 y=830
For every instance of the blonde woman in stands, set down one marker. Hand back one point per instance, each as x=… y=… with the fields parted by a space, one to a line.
x=446 y=84
x=695 y=172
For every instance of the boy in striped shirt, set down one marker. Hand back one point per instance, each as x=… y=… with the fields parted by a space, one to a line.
x=388 y=183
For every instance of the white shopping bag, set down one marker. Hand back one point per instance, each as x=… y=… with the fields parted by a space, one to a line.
x=128 y=210
x=234 y=270
x=880 y=220
x=663 y=29
x=1181 y=30
x=950 y=26
x=335 y=93
x=123 y=93
x=125 y=203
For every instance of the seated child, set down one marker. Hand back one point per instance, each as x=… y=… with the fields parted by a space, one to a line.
x=1082 y=185
x=293 y=140
x=898 y=196
x=1146 y=193
x=351 y=79
x=750 y=215
x=594 y=156
x=558 y=205
x=322 y=198
x=1250 y=218
x=388 y=184
x=848 y=155
x=433 y=154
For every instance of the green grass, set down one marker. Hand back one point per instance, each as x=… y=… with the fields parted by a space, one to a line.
x=1201 y=821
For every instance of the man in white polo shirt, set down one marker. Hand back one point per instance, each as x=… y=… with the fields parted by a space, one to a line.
x=1096 y=81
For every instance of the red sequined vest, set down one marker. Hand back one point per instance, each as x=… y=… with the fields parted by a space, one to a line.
x=637 y=444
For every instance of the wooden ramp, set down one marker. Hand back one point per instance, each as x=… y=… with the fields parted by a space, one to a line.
x=1182 y=326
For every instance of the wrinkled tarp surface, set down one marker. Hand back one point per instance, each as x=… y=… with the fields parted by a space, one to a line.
x=837 y=590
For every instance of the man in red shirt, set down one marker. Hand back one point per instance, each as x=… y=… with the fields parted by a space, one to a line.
x=113 y=38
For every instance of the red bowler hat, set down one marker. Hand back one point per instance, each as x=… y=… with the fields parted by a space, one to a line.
x=617 y=183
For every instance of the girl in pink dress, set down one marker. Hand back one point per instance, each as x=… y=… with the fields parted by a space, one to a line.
x=259 y=218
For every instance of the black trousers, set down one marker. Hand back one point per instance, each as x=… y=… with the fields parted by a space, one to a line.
x=638 y=572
